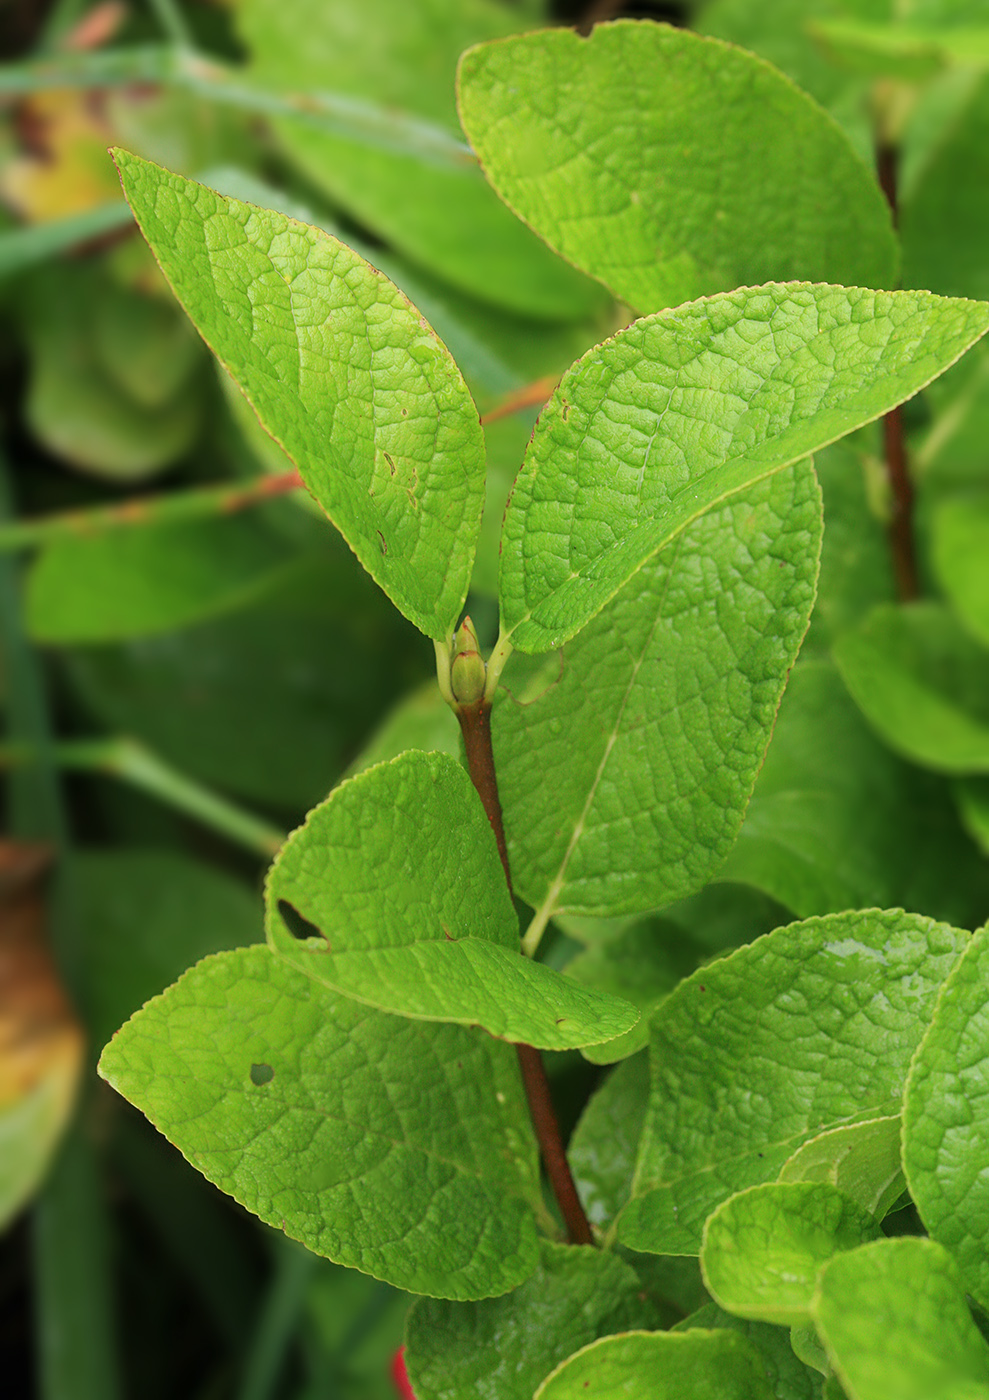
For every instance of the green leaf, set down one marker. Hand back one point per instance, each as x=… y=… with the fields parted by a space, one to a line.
x=972 y=796
x=150 y=578
x=681 y=410
x=398 y=877
x=945 y=210
x=837 y=821
x=620 y=792
x=402 y=57
x=700 y=193
x=344 y=374
x=763 y=1248
x=862 y=1161
x=856 y=567
x=400 y=1149
x=76 y=405
x=500 y=1349
x=960 y=555
x=945 y=1128
x=809 y=1028
x=789 y=1379
x=911 y=53
x=269 y=702
x=144 y=917
x=662 y=1365
x=603 y=1147
x=922 y=683
x=642 y=965
x=896 y=1325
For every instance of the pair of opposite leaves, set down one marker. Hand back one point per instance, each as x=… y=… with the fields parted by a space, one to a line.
x=647 y=431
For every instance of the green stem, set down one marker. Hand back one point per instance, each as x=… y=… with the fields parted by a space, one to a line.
x=131 y=762
x=365 y=123
x=73 y=1303
x=173 y=23
x=24 y=247
x=196 y=504
x=279 y=1321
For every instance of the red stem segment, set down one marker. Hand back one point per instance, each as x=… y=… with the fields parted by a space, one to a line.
x=901 y=540
x=475 y=725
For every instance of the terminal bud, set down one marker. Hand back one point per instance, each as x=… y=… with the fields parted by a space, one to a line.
x=468 y=673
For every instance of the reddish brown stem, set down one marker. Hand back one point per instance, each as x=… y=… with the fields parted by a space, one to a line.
x=900 y=531
x=532 y=395
x=900 y=528
x=551 y=1145
x=475 y=725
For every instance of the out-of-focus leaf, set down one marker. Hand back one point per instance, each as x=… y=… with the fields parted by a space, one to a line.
x=423 y=720
x=922 y=683
x=789 y=1378
x=606 y=1139
x=149 y=578
x=403 y=54
x=271 y=702
x=642 y=965
x=73 y=172
x=943 y=220
x=77 y=406
x=838 y=821
x=147 y=915
x=960 y=555
x=856 y=570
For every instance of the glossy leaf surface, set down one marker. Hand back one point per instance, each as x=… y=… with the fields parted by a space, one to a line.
x=816 y=1024
x=501 y=1348
x=863 y=1161
x=945 y=1124
x=662 y=1365
x=763 y=1248
x=896 y=1324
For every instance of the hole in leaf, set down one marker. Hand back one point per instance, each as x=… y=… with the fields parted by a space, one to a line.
x=297 y=925
x=262 y=1074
